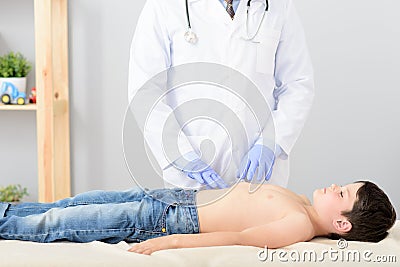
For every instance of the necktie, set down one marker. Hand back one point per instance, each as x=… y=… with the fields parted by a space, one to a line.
x=229 y=8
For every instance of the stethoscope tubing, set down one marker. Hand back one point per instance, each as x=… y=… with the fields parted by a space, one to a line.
x=247 y=18
x=248 y=5
x=187 y=15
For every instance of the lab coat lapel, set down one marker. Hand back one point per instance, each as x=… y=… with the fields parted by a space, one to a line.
x=217 y=11
x=212 y=9
x=240 y=15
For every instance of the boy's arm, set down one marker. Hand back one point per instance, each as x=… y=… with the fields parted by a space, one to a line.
x=280 y=233
x=289 y=230
x=186 y=241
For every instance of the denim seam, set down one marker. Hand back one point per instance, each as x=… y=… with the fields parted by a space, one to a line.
x=164 y=217
x=71 y=204
x=81 y=231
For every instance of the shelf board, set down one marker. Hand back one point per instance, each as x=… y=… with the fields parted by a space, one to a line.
x=18 y=107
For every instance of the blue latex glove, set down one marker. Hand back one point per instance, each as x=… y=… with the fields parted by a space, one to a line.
x=204 y=174
x=260 y=157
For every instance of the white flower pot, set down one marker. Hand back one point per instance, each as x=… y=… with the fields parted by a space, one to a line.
x=19 y=83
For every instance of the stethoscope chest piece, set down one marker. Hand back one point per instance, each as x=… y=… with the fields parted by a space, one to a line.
x=191 y=37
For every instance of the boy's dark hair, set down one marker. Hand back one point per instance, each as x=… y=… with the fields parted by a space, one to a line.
x=371 y=217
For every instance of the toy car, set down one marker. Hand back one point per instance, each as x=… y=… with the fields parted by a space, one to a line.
x=9 y=94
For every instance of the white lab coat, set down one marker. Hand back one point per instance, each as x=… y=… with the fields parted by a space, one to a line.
x=276 y=61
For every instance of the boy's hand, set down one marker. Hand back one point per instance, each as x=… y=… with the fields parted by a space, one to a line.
x=152 y=245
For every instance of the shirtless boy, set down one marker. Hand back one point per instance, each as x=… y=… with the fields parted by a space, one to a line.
x=168 y=218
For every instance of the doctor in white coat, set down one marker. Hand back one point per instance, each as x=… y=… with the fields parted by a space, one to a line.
x=264 y=41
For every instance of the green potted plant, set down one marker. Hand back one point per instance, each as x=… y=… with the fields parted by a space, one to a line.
x=12 y=193
x=14 y=68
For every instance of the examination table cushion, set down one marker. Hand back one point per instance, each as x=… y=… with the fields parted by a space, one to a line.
x=21 y=253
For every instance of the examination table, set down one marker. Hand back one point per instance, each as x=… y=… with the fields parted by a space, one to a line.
x=318 y=252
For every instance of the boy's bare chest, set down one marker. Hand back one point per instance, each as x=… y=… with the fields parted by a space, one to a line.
x=239 y=209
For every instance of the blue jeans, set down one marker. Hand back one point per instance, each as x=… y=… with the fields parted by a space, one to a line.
x=110 y=216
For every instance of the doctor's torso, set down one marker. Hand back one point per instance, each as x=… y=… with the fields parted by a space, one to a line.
x=221 y=40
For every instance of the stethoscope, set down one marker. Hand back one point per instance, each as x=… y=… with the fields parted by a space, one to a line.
x=192 y=38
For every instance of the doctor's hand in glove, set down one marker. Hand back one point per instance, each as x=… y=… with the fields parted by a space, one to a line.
x=204 y=174
x=261 y=157
x=198 y=170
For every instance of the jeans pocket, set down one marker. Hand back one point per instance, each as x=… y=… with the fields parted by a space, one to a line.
x=169 y=213
x=152 y=223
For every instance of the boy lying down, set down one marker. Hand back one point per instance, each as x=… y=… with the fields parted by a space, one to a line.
x=168 y=218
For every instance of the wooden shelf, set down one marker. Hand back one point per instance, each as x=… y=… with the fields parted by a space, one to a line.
x=18 y=107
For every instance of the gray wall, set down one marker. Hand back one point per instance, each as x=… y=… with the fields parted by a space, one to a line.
x=18 y=159
x=352 y=132
x=354 y=127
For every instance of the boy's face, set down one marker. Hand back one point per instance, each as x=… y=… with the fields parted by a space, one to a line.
x=331 y=201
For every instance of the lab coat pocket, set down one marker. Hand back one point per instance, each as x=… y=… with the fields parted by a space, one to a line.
x=267 y=44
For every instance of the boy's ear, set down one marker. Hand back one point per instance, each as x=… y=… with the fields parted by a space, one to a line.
x=342 y=225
